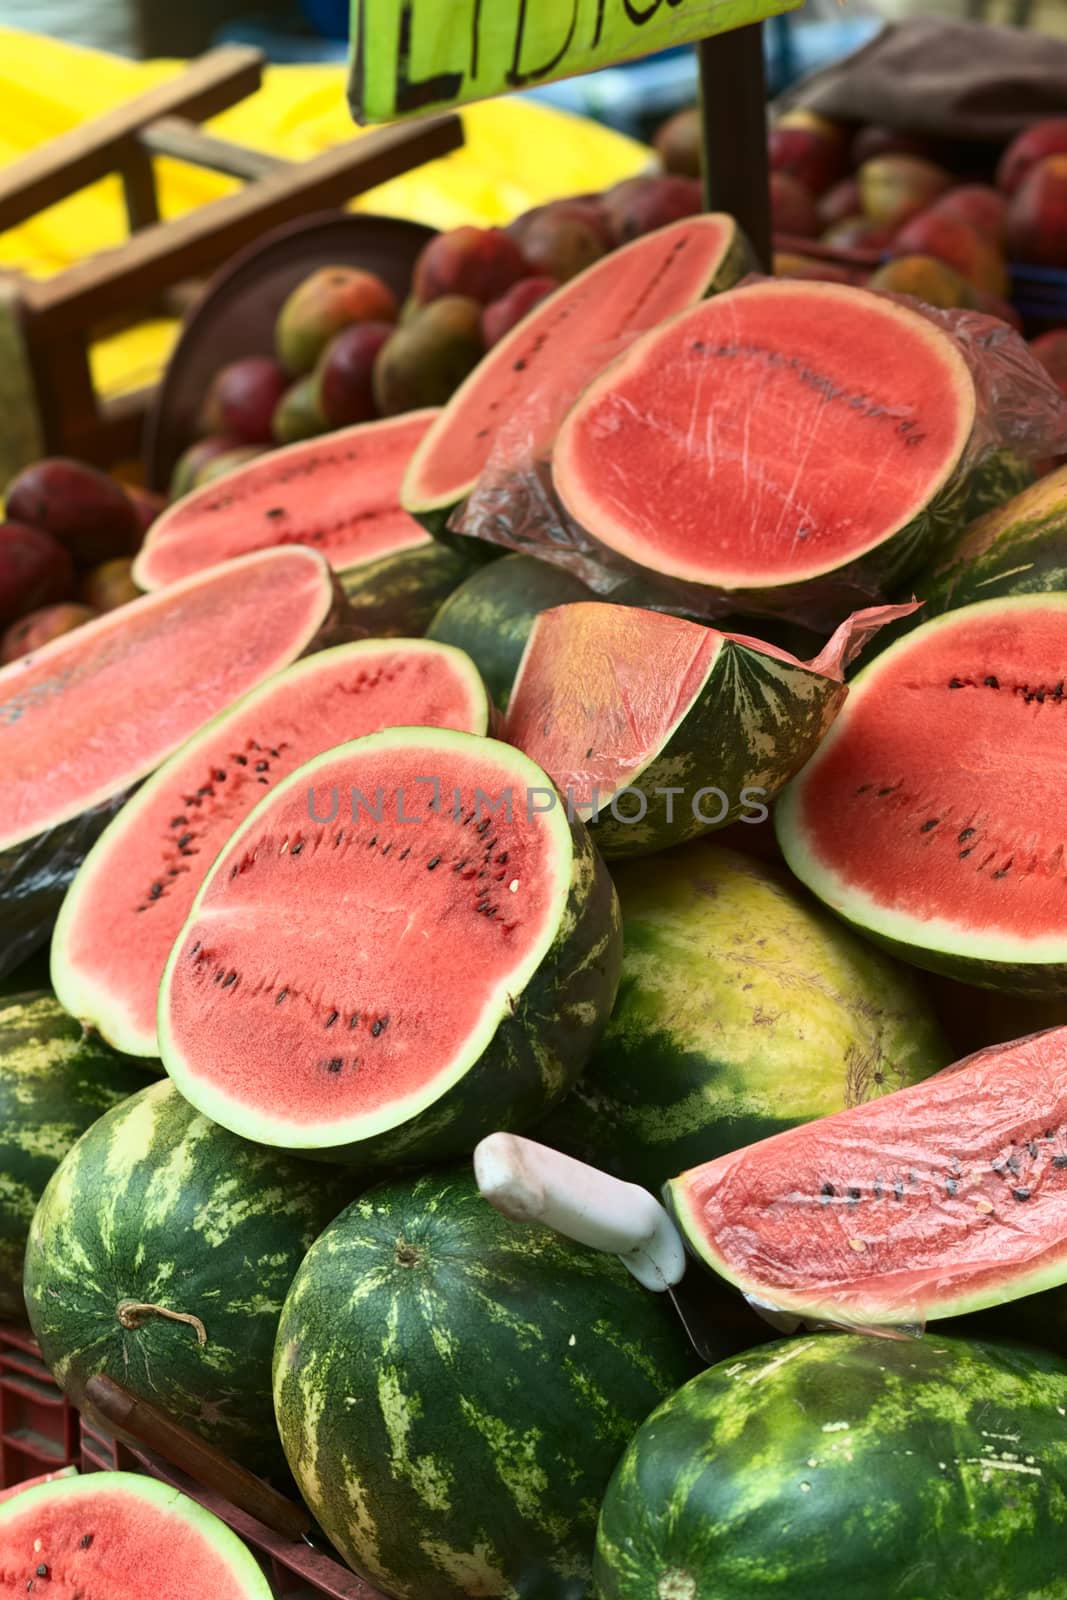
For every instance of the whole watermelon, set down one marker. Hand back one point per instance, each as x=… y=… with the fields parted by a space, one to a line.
x=847 y=1468
x=744 y=1009
x=161 y=1253
x=453 y=1391
x=55 y=1080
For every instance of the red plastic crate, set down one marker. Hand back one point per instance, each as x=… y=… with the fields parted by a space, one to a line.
x=38 y=1426
x=297 y=1571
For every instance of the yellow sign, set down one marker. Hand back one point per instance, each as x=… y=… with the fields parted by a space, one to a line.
x=412 y=56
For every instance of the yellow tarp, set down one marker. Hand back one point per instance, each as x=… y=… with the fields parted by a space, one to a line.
x=517 y=154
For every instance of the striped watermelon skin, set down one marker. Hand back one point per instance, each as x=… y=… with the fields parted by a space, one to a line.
x=155 y=1205
x=839 y=1467
x=398 y=595
x=55 y=1081
x=453 y=1392
x=1019 y=548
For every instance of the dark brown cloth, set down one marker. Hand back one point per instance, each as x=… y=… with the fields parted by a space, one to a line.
x=957 y=81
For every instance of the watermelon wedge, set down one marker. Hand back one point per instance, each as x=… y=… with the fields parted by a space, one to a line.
x=529 y=380
x=340 y=494
x=946 y=1197
x=132 y=894
x=422 y=934
x=87 y=717
x=930 y=816
x=782 y=442
x=658 y=729
x=117 y=1535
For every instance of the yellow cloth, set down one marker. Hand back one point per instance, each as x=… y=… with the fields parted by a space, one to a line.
x=517 y=154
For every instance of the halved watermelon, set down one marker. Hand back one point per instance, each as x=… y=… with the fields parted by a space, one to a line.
x=931 y=816
x=87 y=717
x=538 y=370
x=132 y=894
x=117 y=1536
x=784 y=438
x=943 y=1198
x=658 y=729
x=340 y=494
x=404 y=946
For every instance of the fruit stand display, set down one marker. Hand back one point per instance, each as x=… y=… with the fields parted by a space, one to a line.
x=563 y=717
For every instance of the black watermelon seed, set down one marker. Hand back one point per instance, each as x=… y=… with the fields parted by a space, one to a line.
x=965 y=834
x=377 y=1028
x=226 y=982
x=932 y=823
x=281 y=996
x=334 y=1064
x=431 y=864
x=898 y=1189
x=86 y=1540
x=955 y=683
x=991 y=682
x=262 y=766
x=1032 y=1149
x=242 y=761
x=878 y=1188
x=828 y=1191
x=1021 y=1194
x=185 y=839
x=853 y=1195
x=178 y=822
x=1015 y=1164
x=295 y=851
x=354 y=1020
x=332 y=1018
x=219 y=775
x=42 y=1571
x=964 y=854
x=883 y=792
x=405 y=852
x=1059 y=1161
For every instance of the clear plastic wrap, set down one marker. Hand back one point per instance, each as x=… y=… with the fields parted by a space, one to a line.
x=1021 y=419
x=946 y=1197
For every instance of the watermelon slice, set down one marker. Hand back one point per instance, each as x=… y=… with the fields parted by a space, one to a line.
x=658 y=729
x=530 y=378
x=930 y=817
x=422 y=934
x=946 y=1197
x=340 y=494
x=116 y=1535
x=31 y=1483
x=126 y=907
x=782 y=439
x=87 y=717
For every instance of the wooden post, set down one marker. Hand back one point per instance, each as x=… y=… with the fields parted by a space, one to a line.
x=733 y=101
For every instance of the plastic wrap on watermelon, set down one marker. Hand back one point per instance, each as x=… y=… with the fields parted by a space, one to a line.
x=941 y=1199
x=785 y=449
x=35 y=875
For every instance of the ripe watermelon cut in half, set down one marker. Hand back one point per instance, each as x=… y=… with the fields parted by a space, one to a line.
x=946 y=1197
x=426 y=938
x=659 y=729
x=339 y=494
x=537 y=372
x=86 y=718
x=783 y=443
x=133 y=892
x=930 y=816
x=119 y=1535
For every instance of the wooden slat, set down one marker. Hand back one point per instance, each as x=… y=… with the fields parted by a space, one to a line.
x=102 y=286
x=182 y=140
x=94 y=148
x=139 y=188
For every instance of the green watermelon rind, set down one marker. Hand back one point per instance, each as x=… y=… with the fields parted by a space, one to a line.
x=55 y=1081
x=454 y=1434
x=145 y=1492
x=753 y=723
x=840 y=1466
x=434 y=511
x=84 y=999
x=531 y=1045
x=401 y=594
x=991 y=961
x=155 y=1205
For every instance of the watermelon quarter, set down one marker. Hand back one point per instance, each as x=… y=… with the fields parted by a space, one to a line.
x=56 y=1079
x=160 y=1255
x=843 y=1468
x=120 y=1535
x=427 y=940
x=659 y=729
x=786 y=444
x=946 y=1197
x=132 y=894
x=516 y=397
x=930 y=815
x=86 y=718
x=453 y=1392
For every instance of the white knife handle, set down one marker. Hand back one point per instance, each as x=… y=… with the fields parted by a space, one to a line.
x=528 y=1182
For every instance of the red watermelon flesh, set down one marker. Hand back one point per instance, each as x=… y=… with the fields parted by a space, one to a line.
x=931 y=814
x=116 y=1535
x=377 y=948
x=340 y=494
x=132 y=894
x=537 y=371
x=771 y=435
x=96 y=710
x=943 y=1198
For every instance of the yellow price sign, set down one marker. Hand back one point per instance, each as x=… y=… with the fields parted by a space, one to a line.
x=412 y=56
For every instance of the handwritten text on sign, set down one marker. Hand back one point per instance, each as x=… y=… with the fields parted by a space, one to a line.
x=411 y=56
